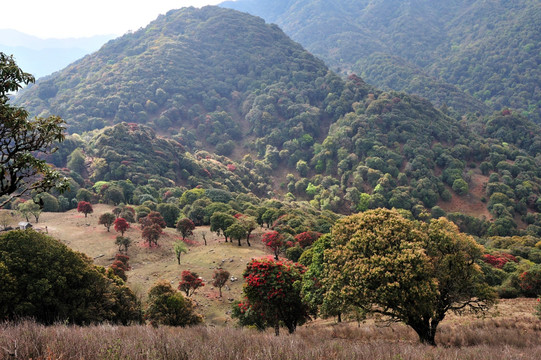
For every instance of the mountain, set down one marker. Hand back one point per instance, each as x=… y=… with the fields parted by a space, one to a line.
x=42 y=57
x=216 y=98
x=470 y=55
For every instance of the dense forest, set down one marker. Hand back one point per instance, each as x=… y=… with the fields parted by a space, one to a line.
x=214 y=117
x=473 y=56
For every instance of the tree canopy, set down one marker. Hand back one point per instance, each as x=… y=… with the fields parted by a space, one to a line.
x=43 y=279
x=383 y=263
x=20 y=170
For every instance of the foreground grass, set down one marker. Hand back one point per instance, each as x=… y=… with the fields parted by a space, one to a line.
x=514 y=338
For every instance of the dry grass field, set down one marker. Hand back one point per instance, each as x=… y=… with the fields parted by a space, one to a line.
x=509 y=331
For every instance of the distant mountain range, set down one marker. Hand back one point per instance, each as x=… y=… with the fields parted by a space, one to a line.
x=472 y=55
x=42 y=57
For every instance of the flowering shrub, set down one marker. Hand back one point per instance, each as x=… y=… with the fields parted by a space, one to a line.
x=530 y=282
x=272 y=294
x=498 y=260
x=307 y=238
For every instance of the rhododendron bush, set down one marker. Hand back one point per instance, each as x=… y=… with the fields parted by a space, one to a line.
x=272 y=295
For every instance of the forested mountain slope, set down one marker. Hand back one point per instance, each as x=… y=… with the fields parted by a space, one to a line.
x=469 y=55
x=215 y=98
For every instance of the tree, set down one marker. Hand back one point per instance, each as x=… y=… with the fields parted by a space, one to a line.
x=250 y=224
x=121 y=225
x=85 y=208
x=219 y=278
x=151 y=233
x=169 y=213
x=185 y=226
x=28 y=208
x=190 y=282
x=120 y=266
x=5 y=219
x=122 y=241
x=274 y=241
x=236 y=231
x=307 y=238
x=180 y=247
x=320 y=299
x=272 y=290
x=107 y=219
x=168 y=307
x=219 y=222
x=116 y=211
x=153 y=218
x=20 y=170
x=409 y=272
x=43 y=279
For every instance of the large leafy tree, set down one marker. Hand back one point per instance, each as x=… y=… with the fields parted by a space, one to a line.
x=272 y=290
x=43 y=279
x=382 y=263
x=21 y=138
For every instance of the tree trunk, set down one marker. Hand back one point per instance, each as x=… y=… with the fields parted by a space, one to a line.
x=248 y=239
x=220 y=289
x=239 y=241
x=178 y=259
x=426 y=331
x=339 y=317
x=276 y=329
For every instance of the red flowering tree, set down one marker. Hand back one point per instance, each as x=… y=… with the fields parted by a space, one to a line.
x=307 y=238
x=190 y=282
x=219 y=278
x=151 y=233
x=185 y=226
x=121 y=225
x=272 y=295
x=85 y=207
x=274 y=241
x=153 y=217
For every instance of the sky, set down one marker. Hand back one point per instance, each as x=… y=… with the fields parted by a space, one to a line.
x=74 y=18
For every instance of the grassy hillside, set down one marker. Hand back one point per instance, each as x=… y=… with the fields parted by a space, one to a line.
x=150 y=265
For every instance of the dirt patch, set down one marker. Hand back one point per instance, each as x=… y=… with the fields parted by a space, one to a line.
x=471 y=204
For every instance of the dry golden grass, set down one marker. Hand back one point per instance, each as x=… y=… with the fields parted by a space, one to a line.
x=478 y=340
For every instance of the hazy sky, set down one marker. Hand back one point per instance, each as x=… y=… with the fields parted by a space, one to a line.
x=75 y=18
